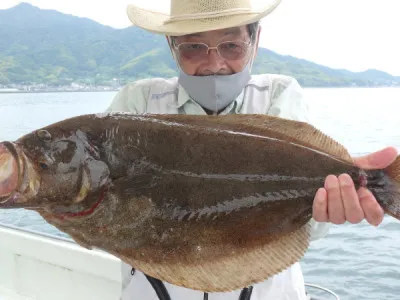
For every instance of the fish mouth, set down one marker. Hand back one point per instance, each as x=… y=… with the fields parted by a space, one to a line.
x=19 y=180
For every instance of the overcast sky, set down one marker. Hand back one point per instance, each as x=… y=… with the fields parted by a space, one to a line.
x=351 y=34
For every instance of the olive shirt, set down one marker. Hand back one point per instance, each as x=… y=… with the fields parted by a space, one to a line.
x=270 y=94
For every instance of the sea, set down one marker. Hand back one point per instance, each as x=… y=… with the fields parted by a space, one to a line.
x=357 y=262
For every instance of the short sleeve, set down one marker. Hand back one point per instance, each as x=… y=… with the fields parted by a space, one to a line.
x=287 y=100
x=131 y=98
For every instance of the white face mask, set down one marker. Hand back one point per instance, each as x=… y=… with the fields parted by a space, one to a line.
x=215 y=92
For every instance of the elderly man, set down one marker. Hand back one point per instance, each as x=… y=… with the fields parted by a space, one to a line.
x=214 y=43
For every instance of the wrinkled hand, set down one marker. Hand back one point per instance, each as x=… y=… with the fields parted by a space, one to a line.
x=339 y=201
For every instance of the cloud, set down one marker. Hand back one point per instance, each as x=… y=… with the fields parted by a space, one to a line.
x=355 y=35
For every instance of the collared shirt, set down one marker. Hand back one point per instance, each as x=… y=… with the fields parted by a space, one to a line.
x=276 y=95
x=271 y=94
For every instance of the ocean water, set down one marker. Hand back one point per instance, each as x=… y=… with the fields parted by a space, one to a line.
x=356 y=261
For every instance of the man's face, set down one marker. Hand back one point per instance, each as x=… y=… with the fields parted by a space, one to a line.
x=235 y=49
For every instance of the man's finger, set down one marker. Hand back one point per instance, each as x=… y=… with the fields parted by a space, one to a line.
x=352 y=208
x=335 y=205
x=377 y=160
x=320 y=206
x=372 y=210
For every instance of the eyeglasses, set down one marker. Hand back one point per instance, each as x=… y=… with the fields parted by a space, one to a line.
x=229 y=50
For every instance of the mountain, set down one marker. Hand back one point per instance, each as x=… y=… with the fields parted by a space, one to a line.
x=49 y=47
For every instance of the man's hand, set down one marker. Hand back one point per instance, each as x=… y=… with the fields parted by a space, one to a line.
x=339 y=201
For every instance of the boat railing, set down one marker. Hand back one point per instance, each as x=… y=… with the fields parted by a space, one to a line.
x=327 y=292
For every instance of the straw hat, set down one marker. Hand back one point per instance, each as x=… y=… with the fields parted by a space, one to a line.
x=190 y=16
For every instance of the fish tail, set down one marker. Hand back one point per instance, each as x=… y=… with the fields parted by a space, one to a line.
x=392 y=203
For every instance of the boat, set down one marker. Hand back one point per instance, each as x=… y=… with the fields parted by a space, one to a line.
x=39 y=266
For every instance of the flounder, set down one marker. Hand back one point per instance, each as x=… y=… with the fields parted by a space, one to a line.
x=211 y=203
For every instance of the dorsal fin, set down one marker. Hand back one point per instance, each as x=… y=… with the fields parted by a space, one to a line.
x=297 y=132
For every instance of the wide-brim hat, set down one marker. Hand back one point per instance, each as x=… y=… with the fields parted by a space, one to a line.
x=191 y=16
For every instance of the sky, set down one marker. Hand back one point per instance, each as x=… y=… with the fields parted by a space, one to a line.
x=351 y=34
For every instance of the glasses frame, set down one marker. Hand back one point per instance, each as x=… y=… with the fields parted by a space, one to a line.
x=176 y=47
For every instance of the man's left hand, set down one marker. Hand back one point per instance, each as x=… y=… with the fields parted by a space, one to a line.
x=338 y=201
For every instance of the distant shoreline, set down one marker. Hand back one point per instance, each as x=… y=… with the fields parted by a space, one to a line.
x=116 y=90
x=52 y=91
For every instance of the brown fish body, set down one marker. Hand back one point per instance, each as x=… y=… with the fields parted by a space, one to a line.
x=192 y=200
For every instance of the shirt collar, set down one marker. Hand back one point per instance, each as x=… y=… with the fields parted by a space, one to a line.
x=183 y=96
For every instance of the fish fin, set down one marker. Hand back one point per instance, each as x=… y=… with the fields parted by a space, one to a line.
x=234 y=270
x=392 y=206
x=301 y=133
x=297 y=132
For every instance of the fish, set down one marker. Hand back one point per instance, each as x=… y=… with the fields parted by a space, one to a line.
x=210 y=203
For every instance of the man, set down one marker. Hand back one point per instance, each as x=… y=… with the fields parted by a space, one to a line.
x=214 y=44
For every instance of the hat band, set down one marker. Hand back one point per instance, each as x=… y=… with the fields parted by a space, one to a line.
x=205 y=15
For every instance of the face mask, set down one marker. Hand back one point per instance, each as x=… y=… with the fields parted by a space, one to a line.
x=215 y=92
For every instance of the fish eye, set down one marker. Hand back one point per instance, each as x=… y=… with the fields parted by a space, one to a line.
x=44 y=135
x=43 y=166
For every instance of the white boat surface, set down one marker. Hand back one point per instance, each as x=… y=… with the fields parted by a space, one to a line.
x=43 y=267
